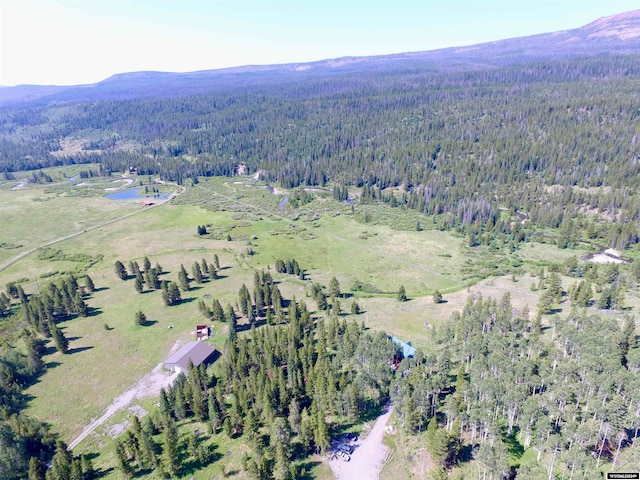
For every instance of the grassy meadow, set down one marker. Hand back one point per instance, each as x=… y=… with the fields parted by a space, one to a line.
x=249 y=230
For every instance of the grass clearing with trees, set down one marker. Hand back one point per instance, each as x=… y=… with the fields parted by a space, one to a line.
x=328 y=239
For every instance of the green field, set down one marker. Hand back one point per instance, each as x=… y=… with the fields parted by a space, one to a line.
x=248 y=231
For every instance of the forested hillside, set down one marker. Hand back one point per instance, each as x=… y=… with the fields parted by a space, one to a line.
x=465 y=143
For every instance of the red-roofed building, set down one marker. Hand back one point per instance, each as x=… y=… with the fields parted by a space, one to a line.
x=202 y=331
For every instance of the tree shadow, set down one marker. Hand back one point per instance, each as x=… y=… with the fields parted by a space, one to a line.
x=247 y=326
x=514 y=447
x=49 y=350
x=98 y=289
x=466 y=454
x=304 y=473
x=94 y=311
x=191 y=465
x=100 y=473
x=52 y=364
x=79 y=349
x=213 y=357
x=186 y=300
x=149 y=323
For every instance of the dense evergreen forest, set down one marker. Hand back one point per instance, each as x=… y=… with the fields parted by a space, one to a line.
x=463 y=143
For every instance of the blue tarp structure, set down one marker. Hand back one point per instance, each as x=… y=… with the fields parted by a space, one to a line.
x=407 y=349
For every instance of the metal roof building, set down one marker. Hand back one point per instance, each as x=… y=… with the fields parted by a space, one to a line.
x=408 y=350
x=197 y=352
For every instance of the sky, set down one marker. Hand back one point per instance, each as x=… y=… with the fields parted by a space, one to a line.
x=70 y=42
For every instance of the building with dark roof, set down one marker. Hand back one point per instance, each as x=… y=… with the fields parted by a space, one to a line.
x=197 y=352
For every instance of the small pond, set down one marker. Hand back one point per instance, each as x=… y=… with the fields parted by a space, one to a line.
x=133 y=194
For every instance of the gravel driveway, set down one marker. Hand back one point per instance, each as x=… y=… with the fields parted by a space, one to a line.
x=368 y=456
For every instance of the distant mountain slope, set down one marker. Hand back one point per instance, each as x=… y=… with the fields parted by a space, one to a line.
x=615 y=35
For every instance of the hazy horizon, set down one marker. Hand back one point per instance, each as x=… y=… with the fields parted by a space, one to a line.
x=74 y=42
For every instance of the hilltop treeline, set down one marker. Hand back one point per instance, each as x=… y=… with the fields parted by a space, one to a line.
x=460 y=142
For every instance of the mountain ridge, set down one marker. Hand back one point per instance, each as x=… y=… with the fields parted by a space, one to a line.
x=616 y=34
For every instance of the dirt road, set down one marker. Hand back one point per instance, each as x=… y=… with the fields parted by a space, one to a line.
x=148 y=386
x=26 y=253
x=368 y=457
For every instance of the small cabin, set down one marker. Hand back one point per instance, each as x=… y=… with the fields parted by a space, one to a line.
x=202 y=332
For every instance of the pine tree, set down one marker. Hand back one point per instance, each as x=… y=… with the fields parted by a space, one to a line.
x=170 y=450
x=205 y=267
x=147 y=449
x=79 y=305
x=437 y=442
x=134 y=268
x=88 y=282
x=197 y=272
x=120 y=269
x=123 y=462
x=59 y=340
x=141 y=318
x=215 y=417
x=231 y=318
x=437 y=297
x=402 y=294
x=76 y=470
x=355 y=308
x=146 y=264
x=37 y=469
x=216 y=261
x=217 y=313
x=183 y=279
x=334 y=288
x=245 y=299
x=174 y=294
x=321 y=434
x=154 y=279
x=166 y=298
x=87 y=467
